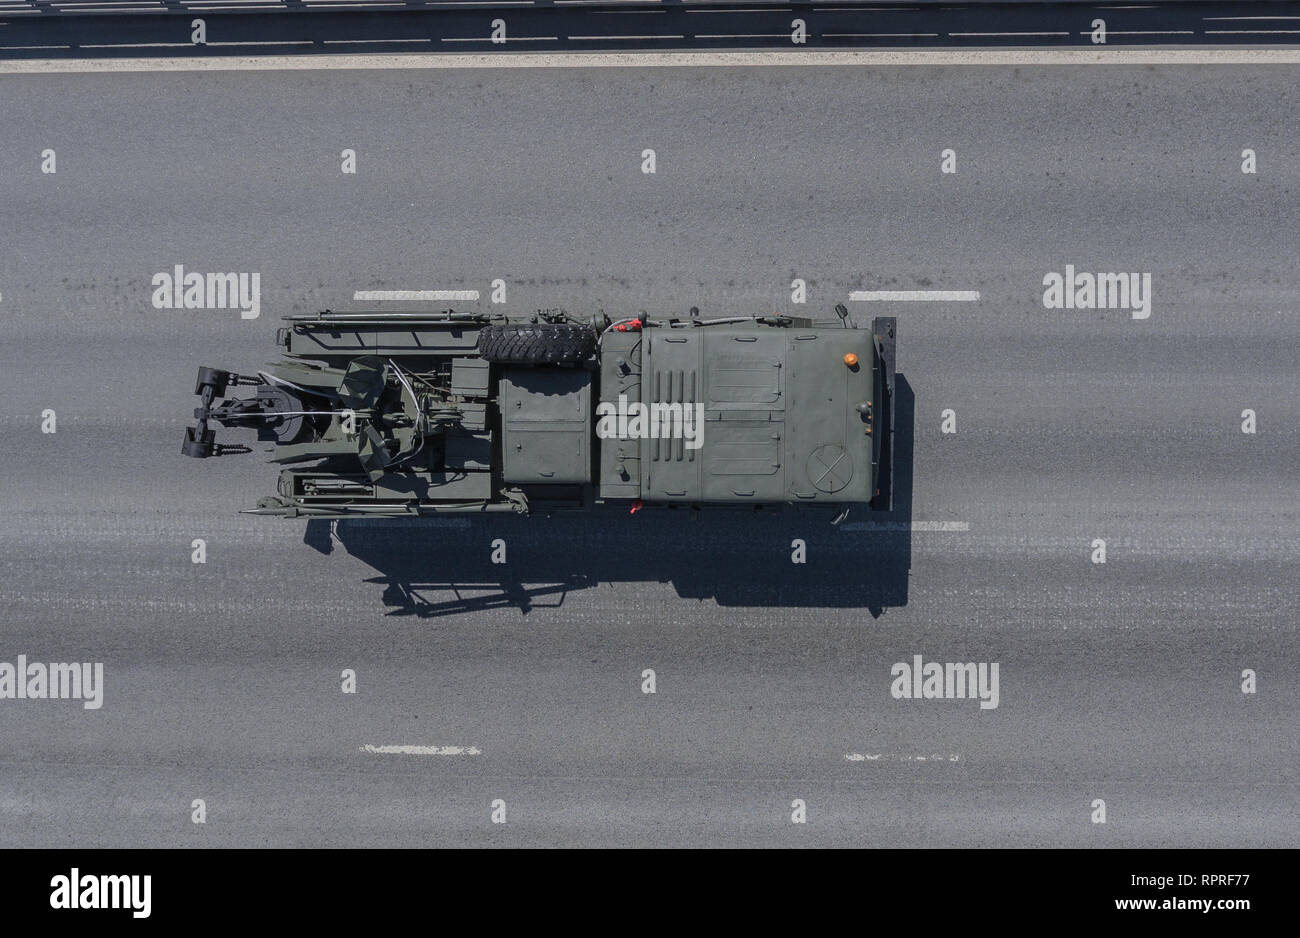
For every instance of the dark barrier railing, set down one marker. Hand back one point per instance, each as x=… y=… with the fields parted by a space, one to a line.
x=108 y=28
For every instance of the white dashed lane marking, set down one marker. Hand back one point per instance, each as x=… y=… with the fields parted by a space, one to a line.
x=933 y=296
x=936 y=526
x=415 y=295
x=423 y=750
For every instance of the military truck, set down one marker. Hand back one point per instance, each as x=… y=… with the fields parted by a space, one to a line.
x=402 y=414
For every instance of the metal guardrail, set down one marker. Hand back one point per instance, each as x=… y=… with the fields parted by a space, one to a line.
x=101 y=7
x=161 y=28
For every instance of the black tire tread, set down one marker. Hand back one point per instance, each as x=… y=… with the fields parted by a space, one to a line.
x=565 y=343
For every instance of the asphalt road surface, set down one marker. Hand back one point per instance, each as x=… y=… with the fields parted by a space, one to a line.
x=223 y=681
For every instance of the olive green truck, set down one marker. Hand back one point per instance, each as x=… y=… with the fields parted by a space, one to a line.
x=406 y=414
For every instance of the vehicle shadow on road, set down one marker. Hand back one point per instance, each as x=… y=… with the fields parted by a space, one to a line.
x=437 y=567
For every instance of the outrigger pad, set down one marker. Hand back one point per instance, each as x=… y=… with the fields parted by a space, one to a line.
x=198 y=445
x=215 y=378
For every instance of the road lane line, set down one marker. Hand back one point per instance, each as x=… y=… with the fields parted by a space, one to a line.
x=424 y=750
x=604 y=38
x=415 y=295
x=357 y=42
x=930 y=526
x=1006 y=34
x=922 y=296
x=506 y=39
x=897 y=757
x=140 y=45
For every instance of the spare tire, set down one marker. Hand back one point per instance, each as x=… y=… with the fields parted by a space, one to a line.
x=566 y=343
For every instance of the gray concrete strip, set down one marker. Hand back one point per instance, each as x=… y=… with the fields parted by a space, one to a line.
x=791 y=59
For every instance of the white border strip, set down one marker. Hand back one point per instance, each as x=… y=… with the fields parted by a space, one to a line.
x=934 y=296
x=794 y=59
x=416 y=295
